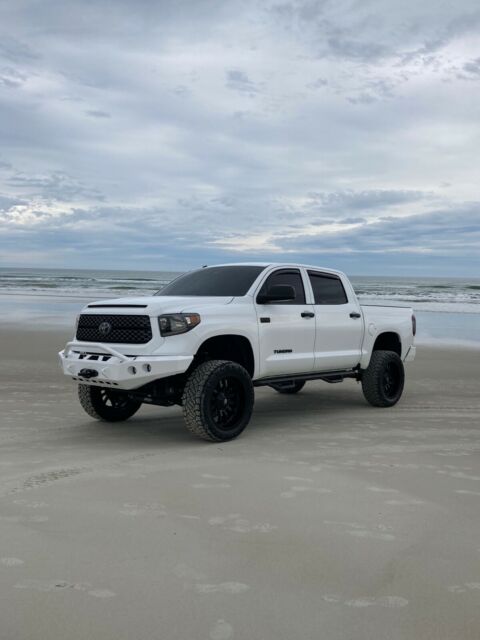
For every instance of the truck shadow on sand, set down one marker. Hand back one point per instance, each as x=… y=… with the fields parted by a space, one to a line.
x=325 y=410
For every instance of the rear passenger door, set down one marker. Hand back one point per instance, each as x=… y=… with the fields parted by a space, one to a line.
x=339 y=326
x=286 y=329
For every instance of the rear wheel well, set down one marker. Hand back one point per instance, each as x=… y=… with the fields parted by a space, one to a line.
x=228 y=347
x=388 y=341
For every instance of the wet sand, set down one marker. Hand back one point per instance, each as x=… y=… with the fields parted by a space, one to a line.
x=326 y=519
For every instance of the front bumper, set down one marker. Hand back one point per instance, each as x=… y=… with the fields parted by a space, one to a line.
x=114 y=369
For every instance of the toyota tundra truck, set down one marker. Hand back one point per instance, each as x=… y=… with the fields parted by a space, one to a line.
x=208 y=338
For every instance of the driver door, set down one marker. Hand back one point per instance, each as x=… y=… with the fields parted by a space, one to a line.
x=286 y=329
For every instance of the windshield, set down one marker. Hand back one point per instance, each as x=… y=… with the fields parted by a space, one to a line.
x=213 y=281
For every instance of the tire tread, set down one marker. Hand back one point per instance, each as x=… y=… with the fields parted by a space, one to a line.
x=371 y=376
x=192 y=399
x=85 y=397
x=87 y=401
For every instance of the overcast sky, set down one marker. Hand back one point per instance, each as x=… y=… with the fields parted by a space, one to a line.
x=163 y=135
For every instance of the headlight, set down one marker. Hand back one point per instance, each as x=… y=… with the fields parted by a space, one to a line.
x=175 y=323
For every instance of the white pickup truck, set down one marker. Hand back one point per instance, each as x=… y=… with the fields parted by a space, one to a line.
x=210 y=336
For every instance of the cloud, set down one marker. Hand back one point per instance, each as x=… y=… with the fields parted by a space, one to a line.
x=7 y=203
x=318 y=83
x=435 y=233
x=97 y=113
x=239 y=81
x=15 y=50
x=367 y=199
x=473 y=67
x=184 y=133
x=11 y=78
x=56 y=186
x=371 y=31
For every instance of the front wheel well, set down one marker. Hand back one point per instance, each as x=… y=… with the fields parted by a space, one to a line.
x=228 y=347
x=388 y=341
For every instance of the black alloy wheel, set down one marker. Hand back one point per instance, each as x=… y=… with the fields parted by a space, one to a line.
x=391 y=379
x=226 y=402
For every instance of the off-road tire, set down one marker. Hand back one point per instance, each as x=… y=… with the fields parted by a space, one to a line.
x=202 y=393
x=383 y=379
x=108 y=405
x=289 y=388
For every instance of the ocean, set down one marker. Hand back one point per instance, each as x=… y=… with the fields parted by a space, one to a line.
x=447 y=309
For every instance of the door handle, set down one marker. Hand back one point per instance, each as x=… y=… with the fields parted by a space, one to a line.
x=307 y=314
x=354 y=314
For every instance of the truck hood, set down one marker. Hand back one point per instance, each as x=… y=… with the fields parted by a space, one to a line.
x=152 y=305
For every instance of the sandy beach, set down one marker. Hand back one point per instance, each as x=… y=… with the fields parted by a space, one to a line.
x=326 y=519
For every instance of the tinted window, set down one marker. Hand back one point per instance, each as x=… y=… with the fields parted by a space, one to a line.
x=327 y=289
x=292 y=278
x=213 y=281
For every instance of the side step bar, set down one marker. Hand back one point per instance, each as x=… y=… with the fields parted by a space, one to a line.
x=327 y=376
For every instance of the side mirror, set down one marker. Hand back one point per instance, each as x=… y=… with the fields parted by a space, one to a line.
x=277 y=293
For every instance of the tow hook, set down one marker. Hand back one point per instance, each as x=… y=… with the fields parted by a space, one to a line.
x=87 y=373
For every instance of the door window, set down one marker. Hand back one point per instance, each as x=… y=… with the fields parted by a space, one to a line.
x=327 y=289
x=291 y=277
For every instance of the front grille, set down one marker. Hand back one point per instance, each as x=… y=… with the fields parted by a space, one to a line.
x=110 y=328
